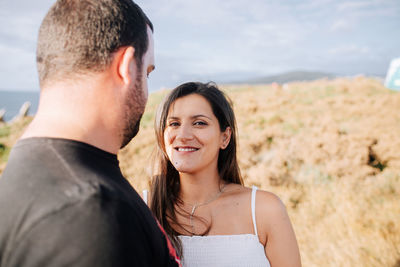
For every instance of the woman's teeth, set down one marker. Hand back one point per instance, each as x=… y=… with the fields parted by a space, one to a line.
x=186 y=149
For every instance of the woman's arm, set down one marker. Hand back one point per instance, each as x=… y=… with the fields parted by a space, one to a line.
x=274 y=225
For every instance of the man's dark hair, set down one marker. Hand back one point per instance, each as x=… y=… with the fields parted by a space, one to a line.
x=78 y=36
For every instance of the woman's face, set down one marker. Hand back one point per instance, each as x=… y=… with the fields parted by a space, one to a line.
x=192 y=135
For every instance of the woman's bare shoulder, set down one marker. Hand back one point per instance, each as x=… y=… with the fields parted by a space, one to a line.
x=271 y=212
x=263 y=197
x=269 y=200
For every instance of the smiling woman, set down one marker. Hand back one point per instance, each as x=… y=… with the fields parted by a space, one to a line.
x=192 y=139
x=197 y=192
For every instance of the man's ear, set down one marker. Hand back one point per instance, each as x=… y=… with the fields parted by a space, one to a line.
x=226 y=137
x=126 y=64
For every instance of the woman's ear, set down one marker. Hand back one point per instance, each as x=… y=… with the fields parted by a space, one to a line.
x=226 y=137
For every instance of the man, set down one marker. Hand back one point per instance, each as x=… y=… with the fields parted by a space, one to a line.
x=63 y=199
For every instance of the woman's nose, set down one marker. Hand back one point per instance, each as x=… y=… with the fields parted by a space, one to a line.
x=184 y=132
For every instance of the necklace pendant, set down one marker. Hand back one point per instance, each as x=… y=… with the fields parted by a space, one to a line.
x=191 y=218
x=193 y=210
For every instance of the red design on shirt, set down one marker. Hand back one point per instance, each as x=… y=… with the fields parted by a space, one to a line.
x=172 y=251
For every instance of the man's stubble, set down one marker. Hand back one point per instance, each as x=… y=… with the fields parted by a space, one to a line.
x=134 y=108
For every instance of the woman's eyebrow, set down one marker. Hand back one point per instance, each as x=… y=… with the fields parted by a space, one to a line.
x=172 y=118
x=199 y=116
x=192 y=117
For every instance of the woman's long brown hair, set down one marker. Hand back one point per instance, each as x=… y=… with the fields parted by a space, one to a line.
x=165 y=184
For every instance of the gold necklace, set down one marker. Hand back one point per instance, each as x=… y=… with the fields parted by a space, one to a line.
x=195 y=206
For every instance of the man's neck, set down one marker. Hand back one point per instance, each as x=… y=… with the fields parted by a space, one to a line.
x=81 y=112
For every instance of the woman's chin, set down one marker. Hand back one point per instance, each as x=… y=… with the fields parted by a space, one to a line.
x=185 y=170
x=183 y=167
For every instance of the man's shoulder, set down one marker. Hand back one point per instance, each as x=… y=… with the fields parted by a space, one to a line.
x=40 y=182
x=38 y=170
x=58 y=163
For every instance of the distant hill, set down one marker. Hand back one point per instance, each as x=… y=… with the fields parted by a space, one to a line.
x=286 y=77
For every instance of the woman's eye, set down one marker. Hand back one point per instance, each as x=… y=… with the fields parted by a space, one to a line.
x=173 y=124
x=200 y=123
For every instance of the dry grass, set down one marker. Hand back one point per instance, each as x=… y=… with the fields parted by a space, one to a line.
x=329 y=148
x=9 y=133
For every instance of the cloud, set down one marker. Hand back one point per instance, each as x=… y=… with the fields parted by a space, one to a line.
x=350 y=50
x=355 y=5
x=341 y=25
x=369 y=8
x=262 y=35
x=227 y=35
x=20 y=21
x=18 y=71
x=195 y=12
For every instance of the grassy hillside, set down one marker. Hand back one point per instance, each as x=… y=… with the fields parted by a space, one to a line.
x=329 y=148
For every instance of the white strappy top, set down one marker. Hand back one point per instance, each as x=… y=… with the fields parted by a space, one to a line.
x=244 y=250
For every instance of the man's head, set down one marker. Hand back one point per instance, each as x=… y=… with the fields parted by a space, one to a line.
x=80 y=37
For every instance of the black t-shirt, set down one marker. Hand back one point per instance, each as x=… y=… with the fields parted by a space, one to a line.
x=66 y=203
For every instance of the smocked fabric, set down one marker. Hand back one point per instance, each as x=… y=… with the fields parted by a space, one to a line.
x=244 y=250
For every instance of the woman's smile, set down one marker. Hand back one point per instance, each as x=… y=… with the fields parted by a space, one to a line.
x=186 y=149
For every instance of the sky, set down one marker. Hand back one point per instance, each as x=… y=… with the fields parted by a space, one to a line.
x=234 y=40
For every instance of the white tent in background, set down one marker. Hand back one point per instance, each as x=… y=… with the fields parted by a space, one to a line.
x=393 y=75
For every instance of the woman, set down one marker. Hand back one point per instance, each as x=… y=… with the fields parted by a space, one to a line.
x=198 y=195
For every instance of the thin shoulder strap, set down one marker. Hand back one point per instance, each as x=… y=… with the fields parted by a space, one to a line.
x=145 y=196
x=253 y=208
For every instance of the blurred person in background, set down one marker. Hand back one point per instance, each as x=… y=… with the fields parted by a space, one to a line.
x=63 y=198
x=197 y=191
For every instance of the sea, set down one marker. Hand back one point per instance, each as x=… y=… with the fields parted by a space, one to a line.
x=11 y=102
